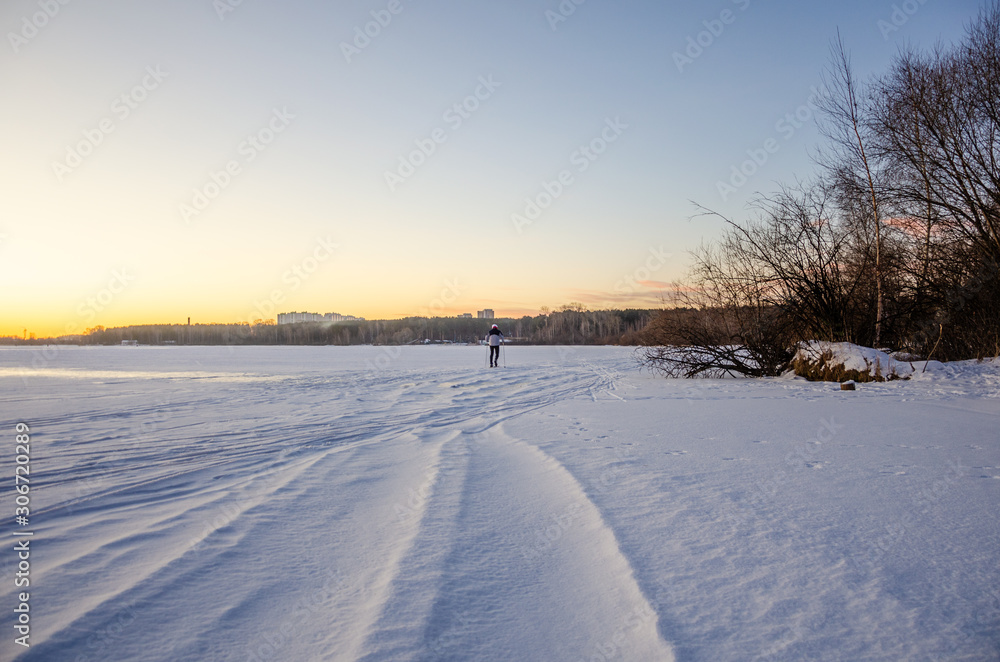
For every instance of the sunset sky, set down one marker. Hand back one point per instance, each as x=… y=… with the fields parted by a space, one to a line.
x=226 y=161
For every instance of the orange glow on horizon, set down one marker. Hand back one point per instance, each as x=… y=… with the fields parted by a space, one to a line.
x=46 y=325
x=50 y=327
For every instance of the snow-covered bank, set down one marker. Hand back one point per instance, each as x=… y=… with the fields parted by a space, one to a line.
x=303 y=503
x=842 y=361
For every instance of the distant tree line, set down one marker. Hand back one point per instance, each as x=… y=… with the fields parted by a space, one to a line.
x=895 y=245
x=571 y=325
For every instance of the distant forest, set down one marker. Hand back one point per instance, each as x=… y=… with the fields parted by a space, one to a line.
x=565 y=327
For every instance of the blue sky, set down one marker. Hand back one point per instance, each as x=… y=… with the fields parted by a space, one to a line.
x=120 y=115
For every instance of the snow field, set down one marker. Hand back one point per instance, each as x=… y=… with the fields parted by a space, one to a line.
x=407 y=504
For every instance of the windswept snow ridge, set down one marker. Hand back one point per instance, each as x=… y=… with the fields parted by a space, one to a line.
x=407 y=504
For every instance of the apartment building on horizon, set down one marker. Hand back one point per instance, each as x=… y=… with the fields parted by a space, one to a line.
x=295 y=318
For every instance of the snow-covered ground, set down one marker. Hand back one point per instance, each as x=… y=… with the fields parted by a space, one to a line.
x=324 y=503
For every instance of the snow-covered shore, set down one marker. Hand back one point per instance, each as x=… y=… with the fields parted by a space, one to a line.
x=365 y=503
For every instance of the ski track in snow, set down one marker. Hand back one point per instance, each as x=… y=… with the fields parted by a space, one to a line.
x=373 y=504
x=124 y=538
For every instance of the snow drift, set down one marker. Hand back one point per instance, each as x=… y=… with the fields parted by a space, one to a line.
x=385 y=503
x=840 y=362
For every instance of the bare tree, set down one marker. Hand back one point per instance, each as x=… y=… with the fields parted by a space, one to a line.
x=898 y=244
x=936 y=123
x=849 y=158
x=761 y=288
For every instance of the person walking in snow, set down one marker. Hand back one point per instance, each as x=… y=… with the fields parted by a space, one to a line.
x=493 y=339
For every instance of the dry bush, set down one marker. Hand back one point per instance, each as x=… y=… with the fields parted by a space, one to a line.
x=824 y=368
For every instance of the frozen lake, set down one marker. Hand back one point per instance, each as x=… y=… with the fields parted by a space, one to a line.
x=366 y=503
